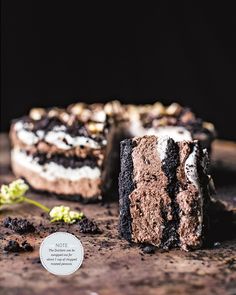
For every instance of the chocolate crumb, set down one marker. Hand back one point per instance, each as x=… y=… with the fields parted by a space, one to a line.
x=19 y=225
x=88 y=226
x=12 y=246
x=109 y=212
x=148 y=249
x=27 y=247
x=35 y=260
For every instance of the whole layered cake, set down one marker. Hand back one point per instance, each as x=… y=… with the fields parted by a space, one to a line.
x=164 y=191
x=65 y=151
x=74 y=152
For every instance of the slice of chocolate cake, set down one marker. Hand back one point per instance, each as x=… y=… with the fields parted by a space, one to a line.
x=65 y=151
x=175 y=121
x=164 y=192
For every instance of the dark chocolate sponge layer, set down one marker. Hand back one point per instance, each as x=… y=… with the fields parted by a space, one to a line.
x=126 y=186
x=204 y=181
x=170 y=164
x=67 y=162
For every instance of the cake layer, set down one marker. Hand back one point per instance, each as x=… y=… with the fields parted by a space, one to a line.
x=150 y=203
x=66 y=162
x=50 y=176
x=46 y=148
x=86 y=189
x=163 y=192
x=51 y=170
x=168 y=151
x=126 y=186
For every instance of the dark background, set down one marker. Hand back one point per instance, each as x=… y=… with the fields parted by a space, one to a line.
x=56 y=53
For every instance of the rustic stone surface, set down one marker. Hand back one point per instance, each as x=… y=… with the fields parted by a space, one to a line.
x=111 y=265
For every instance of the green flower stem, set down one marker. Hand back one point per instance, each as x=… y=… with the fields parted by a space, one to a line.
x=14 y=193
x=44 y=208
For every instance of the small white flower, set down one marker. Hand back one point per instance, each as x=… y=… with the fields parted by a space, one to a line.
x=63 y=213
x=13 y=193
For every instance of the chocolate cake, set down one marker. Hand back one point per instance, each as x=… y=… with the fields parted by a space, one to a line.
x=65 y=151
x=164 y=192
x=75 y=151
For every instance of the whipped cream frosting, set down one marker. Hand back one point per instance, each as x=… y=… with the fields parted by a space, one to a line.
x=178 y=133
x=57 y=136
x=26 y=136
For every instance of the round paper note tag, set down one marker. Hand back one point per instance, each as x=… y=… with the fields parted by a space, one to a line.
x=61 y=253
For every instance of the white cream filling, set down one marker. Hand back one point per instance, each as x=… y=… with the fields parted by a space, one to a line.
x=52 y=171
x=162 y=144
x=191 y=167
x=192 y=175
x=177 y=133
x=57 y=137
x=26 y=136
x=64 y=141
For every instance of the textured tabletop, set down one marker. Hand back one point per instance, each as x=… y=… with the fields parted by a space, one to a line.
x=111 y=265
